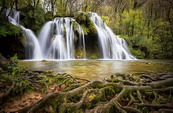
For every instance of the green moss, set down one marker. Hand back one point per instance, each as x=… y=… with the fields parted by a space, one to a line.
x=84 y=20
x=112 y=80
x=44 y=60
x=85 y=29
x=48 y=71
x=71 y=87
x=80 y=111
x=121 y=75
x=100 y=85
x=109 y=92
x=79 y=53
x=137 y=53
x=93 y=53
x=9 y=29
x=75 y=98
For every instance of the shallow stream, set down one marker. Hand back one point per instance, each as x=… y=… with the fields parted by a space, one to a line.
x=99 y=69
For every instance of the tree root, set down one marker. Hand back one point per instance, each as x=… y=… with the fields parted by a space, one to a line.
x=109 y=97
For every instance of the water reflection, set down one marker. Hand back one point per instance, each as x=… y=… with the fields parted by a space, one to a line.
x=99 y=69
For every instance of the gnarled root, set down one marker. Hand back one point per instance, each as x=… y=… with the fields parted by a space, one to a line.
x=131 y=94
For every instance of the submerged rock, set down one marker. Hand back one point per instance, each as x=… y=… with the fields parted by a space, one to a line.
x=44 y=60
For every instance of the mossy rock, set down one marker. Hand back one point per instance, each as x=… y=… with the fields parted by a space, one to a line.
x=91 y=35
x=79 y=53
x=83 y=18
x=48 y=71
x=44 y=60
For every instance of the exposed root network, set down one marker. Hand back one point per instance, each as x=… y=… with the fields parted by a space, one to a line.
x=122 y=93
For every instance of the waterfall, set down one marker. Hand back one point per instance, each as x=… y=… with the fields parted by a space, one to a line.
x=44 y=37
x=62 y=44
x=33 y=49
x=82 y=40
x=111 y=46
x=57 y=48
x=69 y=37
x=57 y=39
x=15 y=19
x=32 y=46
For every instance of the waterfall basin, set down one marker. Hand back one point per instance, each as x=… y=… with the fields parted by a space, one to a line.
x=99 y=69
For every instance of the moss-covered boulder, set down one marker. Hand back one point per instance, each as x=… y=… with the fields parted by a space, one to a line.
x=91 y=39
x=83 y=18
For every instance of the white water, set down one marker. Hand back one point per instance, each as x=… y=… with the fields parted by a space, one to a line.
x=57 y=49
x=111 y=46
x=33 y=49
x=32 y=46
x=56 y=39
x=44 y=36
x=82 y=40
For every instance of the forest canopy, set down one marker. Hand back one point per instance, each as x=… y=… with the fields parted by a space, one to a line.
x=147 y=25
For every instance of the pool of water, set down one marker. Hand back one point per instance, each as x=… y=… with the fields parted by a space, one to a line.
x=99 y=69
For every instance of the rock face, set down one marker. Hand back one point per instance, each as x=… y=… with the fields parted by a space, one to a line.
x=90 y=31
x=11 y=45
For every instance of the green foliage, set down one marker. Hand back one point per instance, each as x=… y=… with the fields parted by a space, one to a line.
x=110 y=91
x=153 y=41
x=34 y=17
x=15 y=78
x=79 y=53
x=8 y=29
x=84 y=20
x=93 y=53
x=62 y=9
x=14 y=66
x=148 y=35
x=106 y=19
x=21 y=86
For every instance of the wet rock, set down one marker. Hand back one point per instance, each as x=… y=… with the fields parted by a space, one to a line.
x=44 y=60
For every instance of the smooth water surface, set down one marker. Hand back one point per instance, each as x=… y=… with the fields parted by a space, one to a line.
x=99 y=69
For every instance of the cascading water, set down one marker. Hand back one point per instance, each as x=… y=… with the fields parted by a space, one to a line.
x=69 y=38
x=57 y=48
x=56 y=39
x=33 y=49
x=44 y=37
x=82 y=40
x=111 y=46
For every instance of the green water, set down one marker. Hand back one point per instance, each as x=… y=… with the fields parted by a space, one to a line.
x=99 y=69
